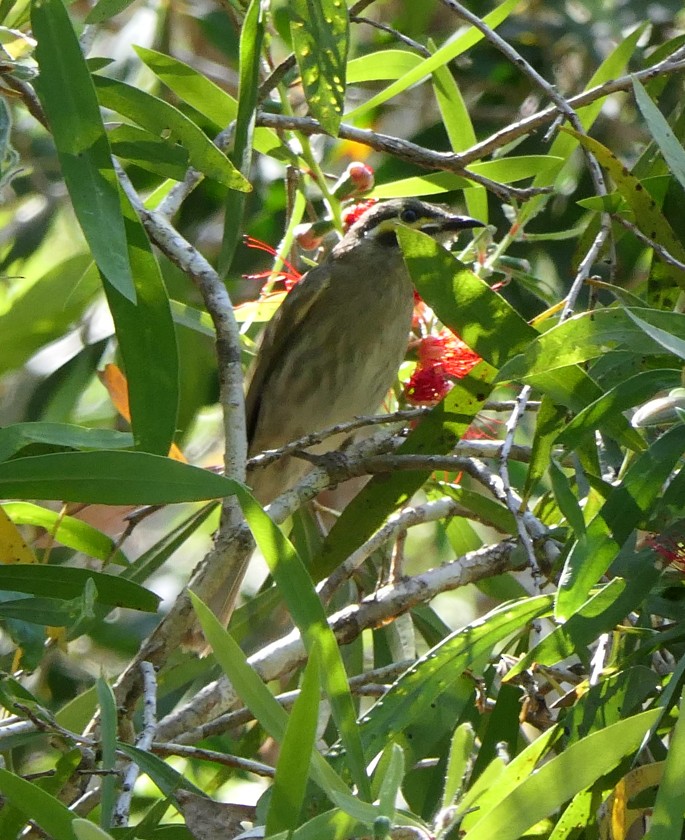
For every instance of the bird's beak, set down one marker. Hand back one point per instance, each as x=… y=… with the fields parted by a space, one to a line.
x=450 y=224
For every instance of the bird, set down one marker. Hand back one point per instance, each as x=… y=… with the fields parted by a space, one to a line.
x=332 y=350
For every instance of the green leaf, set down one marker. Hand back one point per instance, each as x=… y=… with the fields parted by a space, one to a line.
x=67 y=95
x=164 y=120
x=320 y=36
x=414 y=694
x=661 y=132
x=507 y=170
x=110 y=478
x=666 y=338
x=462 y=301
x=15 y=437
x=46 y=611
x=292 y=770
x=43 y=311
x=461 y=749
x=108 y=740
x=66 y=530
x=206 y=97
x=147 y=341
x=441 y=57
x=549 y=421
x=105 y=9
x=251 y=40
x=86 y=830
x=162 y=774
x=626 y=507
x=599 y=614
x=48 y=812
x=382 y=64
x=68 y=582
x=589 y=334
x=256 y=696
x=163 y=158
x=297 y=589
x=579 y=765
x=393 y=776
x=624 y=395
x=648 y=217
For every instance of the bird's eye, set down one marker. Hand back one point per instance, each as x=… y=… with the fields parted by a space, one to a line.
x=409 y=216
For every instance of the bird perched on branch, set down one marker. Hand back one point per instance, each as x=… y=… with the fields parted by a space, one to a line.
x=333 y=349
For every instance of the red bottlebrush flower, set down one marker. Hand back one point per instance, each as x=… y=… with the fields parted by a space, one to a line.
x=427 y=386
x=671 y=548
x=352 y=213
x=447 y=351
x=290 y=277
x=440 y=357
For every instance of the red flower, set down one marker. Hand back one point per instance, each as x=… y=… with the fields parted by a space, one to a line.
x=440 y=356
x=671 y=548
x=427 y=386
x=352 y=213
x=290 y=277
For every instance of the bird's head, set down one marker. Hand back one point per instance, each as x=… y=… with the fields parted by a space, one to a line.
x=380 y=222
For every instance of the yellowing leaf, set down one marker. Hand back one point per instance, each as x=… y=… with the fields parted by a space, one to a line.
x=13 y=548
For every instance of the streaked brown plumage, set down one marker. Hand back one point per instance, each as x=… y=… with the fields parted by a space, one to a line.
x=332 y=350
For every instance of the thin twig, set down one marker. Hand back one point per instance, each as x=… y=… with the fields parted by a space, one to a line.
x=665 y=255
x=123 y=805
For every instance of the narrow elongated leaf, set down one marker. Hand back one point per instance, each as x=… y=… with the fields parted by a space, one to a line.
x=66 y=530
x=647 y=215
x=305 y=607
x=441 y=57
x=162 y=774
x=168 y=160
x=507 y=170
x=411 y=696
x=661 y=132
x=292 y=769
x=667 y=339
x=67 y=582
x=147 y=341
x=320 y=35
x=108 y=736
x=623 y=511
x=54 y=818
x=251 y=40
x=15 y=437
x=250 y=688
x=588 y=335
x=457 y=121
x=599 y=614
x=576 y=768
x=163 y=119
x=66 y=92
x=105 y=9
x=110 y=478
x=624 y=395
x=382 y=64
x=207 y=97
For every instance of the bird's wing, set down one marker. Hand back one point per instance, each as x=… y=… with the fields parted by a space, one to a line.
x=279 y=332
